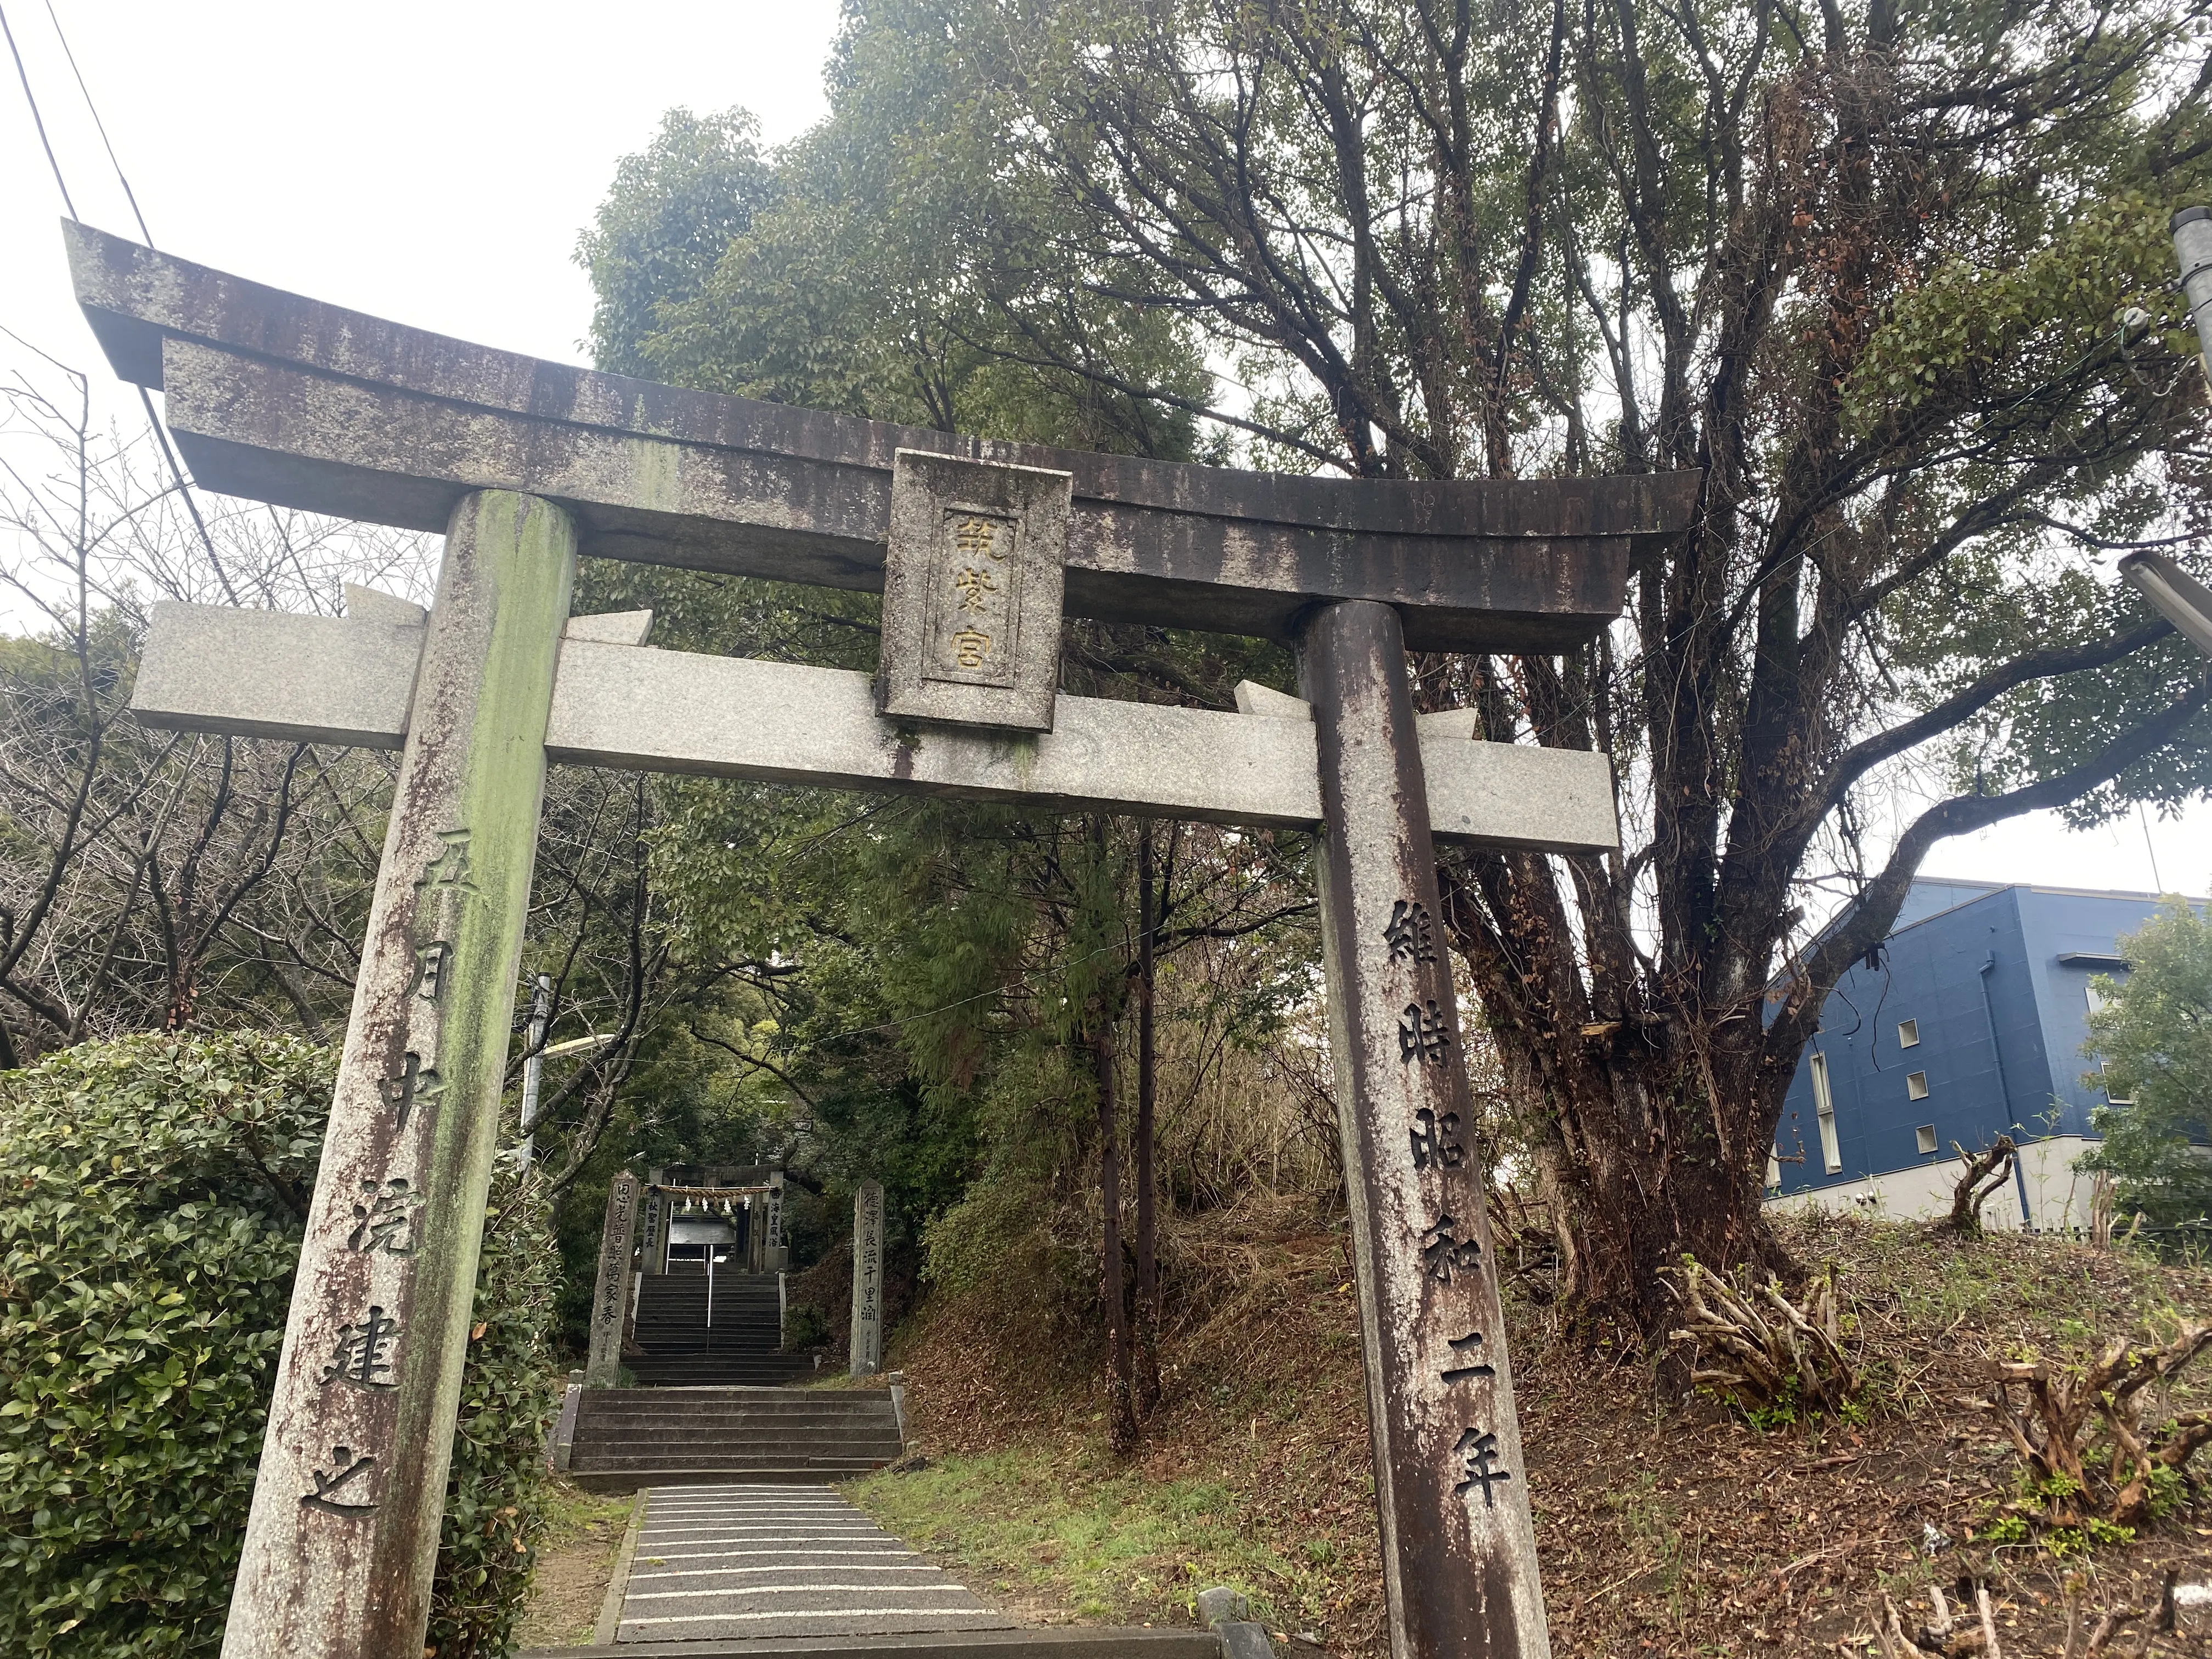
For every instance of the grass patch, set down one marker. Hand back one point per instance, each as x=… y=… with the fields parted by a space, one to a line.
x=1039 y=1525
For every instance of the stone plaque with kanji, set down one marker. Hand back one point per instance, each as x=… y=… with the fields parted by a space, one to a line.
x=972 y=592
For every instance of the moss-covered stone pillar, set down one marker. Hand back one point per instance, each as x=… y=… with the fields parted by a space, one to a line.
x=343 y=1537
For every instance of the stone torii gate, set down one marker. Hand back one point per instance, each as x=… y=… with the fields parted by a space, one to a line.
x=980 y=548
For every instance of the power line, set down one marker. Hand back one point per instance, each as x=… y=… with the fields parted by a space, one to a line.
x=98 y=125
x=36 y=120
x=145 y=399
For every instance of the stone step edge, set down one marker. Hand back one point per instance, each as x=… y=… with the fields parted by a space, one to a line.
x=622 y=1480
x=1067 y=1642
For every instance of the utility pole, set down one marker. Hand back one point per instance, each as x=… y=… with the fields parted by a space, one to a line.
x=533 y=1066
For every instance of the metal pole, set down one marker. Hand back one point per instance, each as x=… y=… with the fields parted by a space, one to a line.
x=1459 y=1553
x=533 y=1065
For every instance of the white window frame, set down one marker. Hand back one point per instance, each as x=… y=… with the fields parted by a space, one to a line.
x=1908 y=1033
x=1924 y=1137
x=1824 y=1109
x=1915 y=1085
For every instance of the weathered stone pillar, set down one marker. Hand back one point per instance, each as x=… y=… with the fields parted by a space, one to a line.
x=344 y=1532
x=777 y=1261
x=1459 y=1555
x=654 y=1250
x=611 y=1293
x=868 y=1280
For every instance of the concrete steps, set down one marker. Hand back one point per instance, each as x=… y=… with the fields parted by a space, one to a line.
x=1058 y=1641
x=742 y=1347
x=621 y=1439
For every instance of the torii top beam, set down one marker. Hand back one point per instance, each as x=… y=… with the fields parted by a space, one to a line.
x=285 y=399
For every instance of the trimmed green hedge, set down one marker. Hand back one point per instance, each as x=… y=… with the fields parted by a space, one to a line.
x=151 y=1199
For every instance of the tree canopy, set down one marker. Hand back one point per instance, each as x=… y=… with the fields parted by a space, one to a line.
x=2153 y=1036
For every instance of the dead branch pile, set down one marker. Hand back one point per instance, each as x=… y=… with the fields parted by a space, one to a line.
x=2064 y=1405
x=1760 y=1348
x=1953 y=1635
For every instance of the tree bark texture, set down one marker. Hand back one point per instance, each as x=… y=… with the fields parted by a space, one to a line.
x=1148 y=1280
x=1113 y=1289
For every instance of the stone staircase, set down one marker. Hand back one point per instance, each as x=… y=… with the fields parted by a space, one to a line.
x=743 y=1347
x=621 y=1439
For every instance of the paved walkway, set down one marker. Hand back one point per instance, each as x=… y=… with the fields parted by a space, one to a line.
x=740 y=1561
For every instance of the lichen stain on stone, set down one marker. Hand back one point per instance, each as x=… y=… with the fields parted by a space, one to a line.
x=653 y=474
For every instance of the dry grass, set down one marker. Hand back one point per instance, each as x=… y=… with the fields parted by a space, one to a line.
x=1667 y=1527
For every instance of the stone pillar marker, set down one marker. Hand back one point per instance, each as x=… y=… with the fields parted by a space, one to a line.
x=610 y=1293
x=341 y=1539
x=1459 y=1552
x=654 y=1249
x=776 y=1258
x=867 y=1343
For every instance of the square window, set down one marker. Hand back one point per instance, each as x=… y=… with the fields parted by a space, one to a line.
x=1925 y=1135
x=1915 y=1085
x=1908 y=1033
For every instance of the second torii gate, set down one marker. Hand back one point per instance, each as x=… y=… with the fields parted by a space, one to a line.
x=980 y=548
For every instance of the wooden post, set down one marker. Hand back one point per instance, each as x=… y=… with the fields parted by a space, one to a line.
x=343 y=1537
x=867 y=1343
x=611 y=1293
x=1459 y=1555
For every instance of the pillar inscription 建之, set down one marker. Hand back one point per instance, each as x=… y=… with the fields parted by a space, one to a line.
x=351 y=1489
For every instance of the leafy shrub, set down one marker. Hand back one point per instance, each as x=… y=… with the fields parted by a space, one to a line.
x=494 y=1509
x=151 y=1197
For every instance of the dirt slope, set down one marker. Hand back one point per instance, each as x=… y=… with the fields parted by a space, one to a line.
x=1666 y=1526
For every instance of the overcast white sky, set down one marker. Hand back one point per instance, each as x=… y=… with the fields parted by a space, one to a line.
x=433 y=163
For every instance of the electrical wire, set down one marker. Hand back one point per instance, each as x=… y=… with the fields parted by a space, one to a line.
x=37 y=120
x=98 y=125
x=145 y=398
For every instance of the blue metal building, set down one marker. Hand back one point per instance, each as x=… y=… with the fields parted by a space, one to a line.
x=1970 y=1027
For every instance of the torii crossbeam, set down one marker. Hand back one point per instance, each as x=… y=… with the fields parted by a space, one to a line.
x=980 y=548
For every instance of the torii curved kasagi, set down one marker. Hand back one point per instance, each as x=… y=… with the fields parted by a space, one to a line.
x=979 y=547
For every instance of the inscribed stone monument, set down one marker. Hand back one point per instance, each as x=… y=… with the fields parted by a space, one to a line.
x=868 y=1340
x=611 y=1291
x=972 y=589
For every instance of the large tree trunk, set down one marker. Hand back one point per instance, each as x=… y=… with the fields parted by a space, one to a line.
x=1120 y=1415
x=1148 y=1282
x=1649 y=1128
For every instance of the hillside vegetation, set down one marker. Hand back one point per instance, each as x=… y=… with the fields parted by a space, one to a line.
x=1667 y=1523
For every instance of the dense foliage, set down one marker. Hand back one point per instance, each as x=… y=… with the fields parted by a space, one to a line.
x=154 y=1192
x=2154 y=1035
x=1893 y=277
